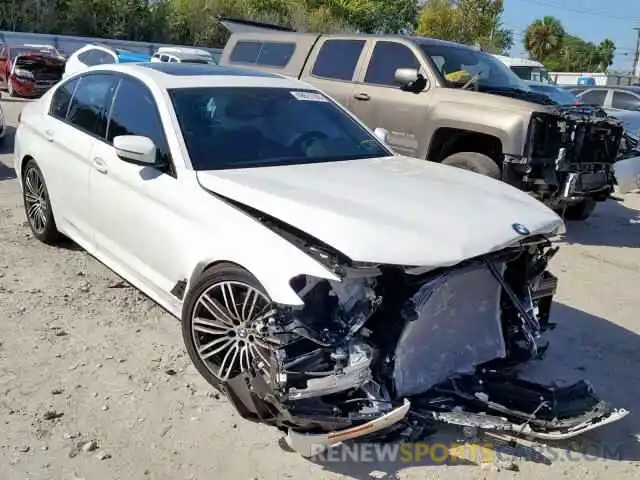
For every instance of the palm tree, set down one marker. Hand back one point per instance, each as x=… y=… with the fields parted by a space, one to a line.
x=544 y=38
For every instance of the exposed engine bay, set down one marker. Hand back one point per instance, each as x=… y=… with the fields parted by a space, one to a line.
x=388 y=344
x=41 y=70
x=569 y=154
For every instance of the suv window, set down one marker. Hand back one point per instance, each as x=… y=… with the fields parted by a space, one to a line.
x=337 y=59
x=90 y=103
x=386 y=59
x=594 y=97
x=61 y=99
x=134 y=112
x=268 y=54
x=625 y=101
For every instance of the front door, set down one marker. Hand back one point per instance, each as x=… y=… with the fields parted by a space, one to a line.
x=138 y=227
x=379 y=102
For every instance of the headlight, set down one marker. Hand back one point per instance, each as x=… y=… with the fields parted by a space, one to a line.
x=22 y=73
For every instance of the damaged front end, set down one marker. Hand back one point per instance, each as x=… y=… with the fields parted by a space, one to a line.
x=387 y=343
x=569 y=155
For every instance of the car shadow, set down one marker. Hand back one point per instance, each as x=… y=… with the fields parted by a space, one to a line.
x=612 y=224
x=7 y=142
x=583 y=346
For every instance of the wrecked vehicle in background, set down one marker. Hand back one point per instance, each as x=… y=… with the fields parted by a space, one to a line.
x=448 y=103
x=30 y=70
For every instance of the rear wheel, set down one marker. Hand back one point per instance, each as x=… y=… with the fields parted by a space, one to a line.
x=474 y=162
x=37 y=205
x=224 y=314
x=580 y=211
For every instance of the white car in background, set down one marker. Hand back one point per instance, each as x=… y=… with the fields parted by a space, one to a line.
x=327 y=286
x=183 y=55
x=97 y=54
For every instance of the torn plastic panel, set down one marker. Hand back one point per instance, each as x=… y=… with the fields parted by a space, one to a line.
x=441 y=345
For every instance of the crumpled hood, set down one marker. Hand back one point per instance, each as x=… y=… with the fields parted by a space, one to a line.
x=394 y=210
x=35 y=60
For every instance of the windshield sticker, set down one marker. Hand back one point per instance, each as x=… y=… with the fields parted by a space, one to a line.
x=309 y=96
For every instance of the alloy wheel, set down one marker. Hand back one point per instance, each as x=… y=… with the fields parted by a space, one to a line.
x=226 y=326
x=36 y=202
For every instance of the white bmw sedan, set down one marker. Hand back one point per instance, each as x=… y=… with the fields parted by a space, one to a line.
x=324 y=284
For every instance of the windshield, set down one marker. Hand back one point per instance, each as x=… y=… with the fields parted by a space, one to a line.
x=241 y=127
x=459 y=65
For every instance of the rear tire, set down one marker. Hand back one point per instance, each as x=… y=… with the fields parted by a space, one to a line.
x=474 y=162
x=37 y=206
x=580 y=211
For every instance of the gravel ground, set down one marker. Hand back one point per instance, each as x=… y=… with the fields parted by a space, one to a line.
x=95 y=383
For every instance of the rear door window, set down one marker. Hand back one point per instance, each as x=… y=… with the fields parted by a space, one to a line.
x=338 y=59
x=90 y=104
x=594 y=97
x=625 y=101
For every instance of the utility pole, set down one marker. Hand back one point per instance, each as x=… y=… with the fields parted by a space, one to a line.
x=636 y=56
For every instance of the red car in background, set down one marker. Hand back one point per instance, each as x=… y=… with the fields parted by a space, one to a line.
x=29 y=70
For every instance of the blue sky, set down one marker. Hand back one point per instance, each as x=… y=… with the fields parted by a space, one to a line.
x=593 y=20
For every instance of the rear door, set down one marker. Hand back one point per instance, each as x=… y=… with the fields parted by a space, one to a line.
x=333 y=66
x=77 y=120
x=380 y=102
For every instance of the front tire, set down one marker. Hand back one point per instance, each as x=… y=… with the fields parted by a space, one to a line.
x=474 y=162
x=223 y=316
x=37 y=205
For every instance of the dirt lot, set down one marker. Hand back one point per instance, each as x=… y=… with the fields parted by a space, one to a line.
x=85 y=358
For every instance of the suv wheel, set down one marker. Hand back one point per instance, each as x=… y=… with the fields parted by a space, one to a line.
x=475 y=162
x=580 y=211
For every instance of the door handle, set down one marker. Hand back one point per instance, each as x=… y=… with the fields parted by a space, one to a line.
x=48 y=134
x=99 y=165
x=362 y=96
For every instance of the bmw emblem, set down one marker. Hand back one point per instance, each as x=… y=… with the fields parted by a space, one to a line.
x=521 y=229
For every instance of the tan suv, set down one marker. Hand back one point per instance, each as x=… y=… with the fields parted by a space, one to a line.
x=448 y=103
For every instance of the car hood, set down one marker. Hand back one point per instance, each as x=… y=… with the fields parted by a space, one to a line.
x=37 y=59
x=393 y=210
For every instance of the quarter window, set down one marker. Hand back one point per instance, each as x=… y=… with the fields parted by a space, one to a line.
x=338 y=59
x=61 y=99
x=386 y=59
x=594 y=97
x=625 y=101
x=90 y=103
x=134 y=112
x=268 y=54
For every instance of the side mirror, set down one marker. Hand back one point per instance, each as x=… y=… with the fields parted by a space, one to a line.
x=135 y=149
x=410 y=79
x=382 y=134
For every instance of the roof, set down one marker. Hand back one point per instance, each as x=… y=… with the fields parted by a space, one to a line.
x=185 y=75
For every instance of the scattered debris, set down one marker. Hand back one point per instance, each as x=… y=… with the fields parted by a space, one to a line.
x=57 y=391
x=24 y=448
x=44 y=448
x=120 y=284
x=170 y=371
x=512 y=467
x=377 y=474
x=103 y=456
x=52 y=415
x=69 y=436
x=90 y=446
x=105 y=408
x=165 y=430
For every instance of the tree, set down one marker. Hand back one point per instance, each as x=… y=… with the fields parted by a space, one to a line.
x=473 y=22
x=544 y=38
x=577 y=55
